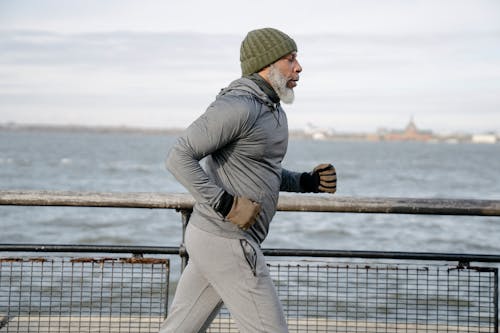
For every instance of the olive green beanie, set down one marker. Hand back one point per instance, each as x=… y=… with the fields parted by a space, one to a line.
x=262 y=47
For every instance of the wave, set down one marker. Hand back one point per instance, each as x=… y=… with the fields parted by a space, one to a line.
x=65 y=161
x=30 y=162
x=16 y=162
x=117 y=167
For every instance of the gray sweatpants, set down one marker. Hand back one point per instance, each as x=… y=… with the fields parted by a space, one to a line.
x=226 y=270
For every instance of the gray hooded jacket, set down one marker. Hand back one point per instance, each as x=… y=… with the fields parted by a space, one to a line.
x=242 y=138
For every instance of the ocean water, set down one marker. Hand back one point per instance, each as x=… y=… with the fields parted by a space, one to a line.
x=130 y=162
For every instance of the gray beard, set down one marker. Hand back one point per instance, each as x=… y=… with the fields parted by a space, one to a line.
x=278 y=82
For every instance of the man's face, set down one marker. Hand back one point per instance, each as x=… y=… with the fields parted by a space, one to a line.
x=290 y=68
x=283 y=76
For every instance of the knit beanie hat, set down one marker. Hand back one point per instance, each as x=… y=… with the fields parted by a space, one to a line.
x=262 y=47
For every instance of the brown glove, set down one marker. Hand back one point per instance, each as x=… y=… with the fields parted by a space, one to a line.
x=244 y=212
x=322 y=179
x=327 y=178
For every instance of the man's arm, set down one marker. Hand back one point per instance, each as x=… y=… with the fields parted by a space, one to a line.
x=322 y=179
x=290 y=181
x=217 y=127
x=220 y=125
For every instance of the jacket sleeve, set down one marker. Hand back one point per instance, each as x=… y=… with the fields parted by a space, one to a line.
x=222 y=123
x=290 y=181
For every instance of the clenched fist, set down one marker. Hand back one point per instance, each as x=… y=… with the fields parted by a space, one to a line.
x=243 y=213
x=322 y=179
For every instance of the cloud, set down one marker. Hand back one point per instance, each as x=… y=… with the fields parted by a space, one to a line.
x=222 y=16
x=112 y=49
x=156 y=79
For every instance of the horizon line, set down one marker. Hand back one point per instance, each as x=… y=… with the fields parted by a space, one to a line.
x=148 y=129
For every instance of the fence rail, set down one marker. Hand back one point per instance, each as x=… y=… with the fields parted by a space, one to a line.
x=50 y=288
x=287 y=202
x=463 y=258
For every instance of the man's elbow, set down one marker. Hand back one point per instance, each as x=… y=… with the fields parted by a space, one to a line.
x=171 y=159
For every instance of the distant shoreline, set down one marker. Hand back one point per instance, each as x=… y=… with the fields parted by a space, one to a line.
x=392 y=136
x=89 y=129
x=107 y=129
x=294 y=133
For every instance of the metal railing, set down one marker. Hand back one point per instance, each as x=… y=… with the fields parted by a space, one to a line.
x=82 y=294
x=94 y=288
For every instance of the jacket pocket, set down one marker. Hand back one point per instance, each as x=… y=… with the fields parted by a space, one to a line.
x=250 y=255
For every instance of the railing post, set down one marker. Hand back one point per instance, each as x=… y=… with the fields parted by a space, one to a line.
x=186 y=214
x=495 y=298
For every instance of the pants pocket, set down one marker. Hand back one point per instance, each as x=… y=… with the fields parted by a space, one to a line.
x=250 y=255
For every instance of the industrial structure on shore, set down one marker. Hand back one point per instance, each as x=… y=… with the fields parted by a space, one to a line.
x=410 y=133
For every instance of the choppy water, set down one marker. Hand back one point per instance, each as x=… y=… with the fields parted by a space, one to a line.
x=123 y=162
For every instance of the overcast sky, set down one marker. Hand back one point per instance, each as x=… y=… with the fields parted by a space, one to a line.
x=367 y=64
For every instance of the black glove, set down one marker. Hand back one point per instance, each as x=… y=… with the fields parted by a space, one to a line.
x=322 y=179
x=238 y=210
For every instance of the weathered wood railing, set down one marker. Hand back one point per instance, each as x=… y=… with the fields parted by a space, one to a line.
x=287 y=202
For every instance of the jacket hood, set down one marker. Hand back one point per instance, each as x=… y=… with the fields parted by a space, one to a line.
x=245 y=86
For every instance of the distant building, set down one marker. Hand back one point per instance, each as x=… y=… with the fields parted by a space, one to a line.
x=410 y=133
x=484 y=138
x=317 y=133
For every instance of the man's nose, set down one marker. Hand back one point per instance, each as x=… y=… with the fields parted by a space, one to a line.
x=298 y=67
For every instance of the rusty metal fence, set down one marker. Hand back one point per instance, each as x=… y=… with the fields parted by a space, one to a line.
x=383 y=297
x=321 y=291
x=81 y=294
